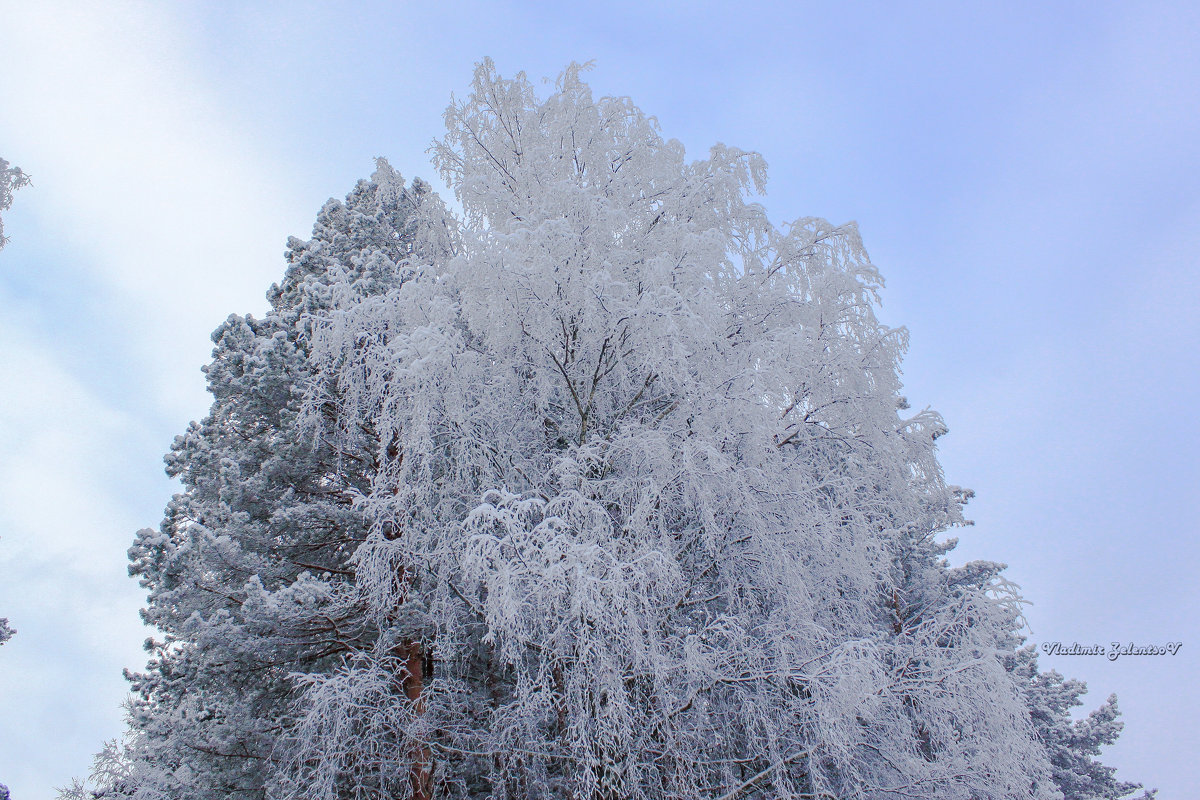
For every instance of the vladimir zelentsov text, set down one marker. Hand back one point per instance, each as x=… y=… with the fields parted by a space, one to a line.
x=1114 y=650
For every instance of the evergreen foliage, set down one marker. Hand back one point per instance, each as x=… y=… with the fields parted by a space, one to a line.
x=246 y=571
x=1073 y=744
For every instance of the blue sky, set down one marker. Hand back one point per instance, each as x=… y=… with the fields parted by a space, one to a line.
x=1026 y=176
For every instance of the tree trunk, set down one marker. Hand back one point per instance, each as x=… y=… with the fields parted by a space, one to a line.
x=421 y=774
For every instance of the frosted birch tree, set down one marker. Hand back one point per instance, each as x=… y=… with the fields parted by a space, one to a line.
x=651 y=519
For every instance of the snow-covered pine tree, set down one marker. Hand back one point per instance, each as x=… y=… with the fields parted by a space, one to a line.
x=1073 y=744
x=246 y=573
x=11 y=179
x=647 y=521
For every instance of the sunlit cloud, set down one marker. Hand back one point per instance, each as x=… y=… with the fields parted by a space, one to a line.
x=166 y=202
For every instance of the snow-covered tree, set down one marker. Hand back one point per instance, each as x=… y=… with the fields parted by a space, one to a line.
x=605 y=491
x=245 y=573
x=647 y=522
x=11 y=179
x=1073 y=744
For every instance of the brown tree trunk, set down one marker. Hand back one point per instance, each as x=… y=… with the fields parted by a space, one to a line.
x=421 y=775
x=412 y=677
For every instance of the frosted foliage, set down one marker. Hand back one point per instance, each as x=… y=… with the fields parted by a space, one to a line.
x=645 y=496
x=11 y=179
x=1072 y=744
x=250 y=575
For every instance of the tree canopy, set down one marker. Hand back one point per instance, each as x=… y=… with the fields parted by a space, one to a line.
x=606 y=489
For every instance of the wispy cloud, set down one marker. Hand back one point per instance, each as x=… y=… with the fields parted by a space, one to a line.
x=64 y=455
x=158 y=215
x=149 y=188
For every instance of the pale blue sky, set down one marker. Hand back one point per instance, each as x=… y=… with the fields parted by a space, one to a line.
x=1026 y=176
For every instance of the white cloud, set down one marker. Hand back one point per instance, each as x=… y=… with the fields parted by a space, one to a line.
x=161 y=214
x=63 y=453
x=159 y=196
